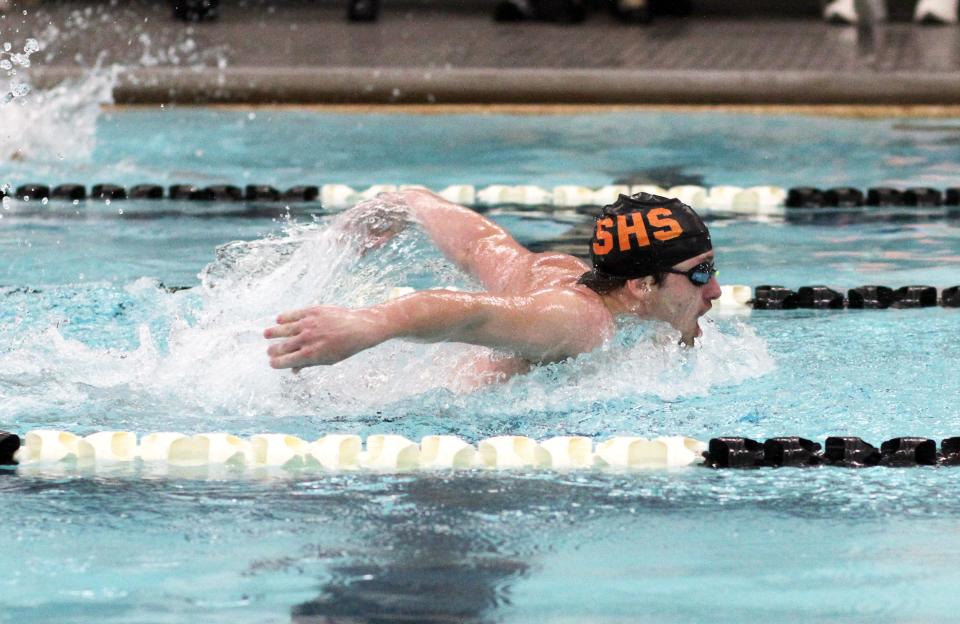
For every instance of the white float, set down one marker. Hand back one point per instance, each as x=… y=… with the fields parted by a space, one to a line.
x=155 y=447
x=569 y=451
x=175 y=454
x=693 y=196
x=512 y=452
x=446 y=451
x=50 y=445
x=208 y=448
x=607 y=195
x=278 y=449
x=391 y=452
x=376 y=189
x=721 y=197
x=682 y=451
x=734 y=296
x=337 y=451
x=529 y=195
x=571 y=196
x=648 y=188
x=337 y=196
x=464 y=194
x=118 y=446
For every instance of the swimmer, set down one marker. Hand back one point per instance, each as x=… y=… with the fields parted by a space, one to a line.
x=652 y=259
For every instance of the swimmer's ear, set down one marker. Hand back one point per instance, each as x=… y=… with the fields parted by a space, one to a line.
x=641 y=286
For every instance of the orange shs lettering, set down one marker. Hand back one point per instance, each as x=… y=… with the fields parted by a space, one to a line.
x=657 y=218
x=637 y=229
x=604 y=243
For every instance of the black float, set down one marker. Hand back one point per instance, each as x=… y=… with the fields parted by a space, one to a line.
x=9 y=443
x=908 y=452
x=950 y=451
x=181 y=191
x=922 y=196
x=843 y=197
x=805 y=197
x=850 y=451
x=774 y=298
x=108 y=191
x=302 y=193
x=820 y=297
x=217 y=192
x=33 y=191
x=791 y=451
x=950 y=297
x=146 y=191
x=951 y=197
x=70 y=192
x=873 y=297
x=884 y=196
x=734 y=453
x=261 y=192
x=915 y=297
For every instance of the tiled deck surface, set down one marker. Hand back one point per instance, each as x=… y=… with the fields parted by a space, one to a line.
x=436 y=51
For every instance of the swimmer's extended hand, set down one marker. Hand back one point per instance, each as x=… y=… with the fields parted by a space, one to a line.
x=547 y=325
x=322 y=335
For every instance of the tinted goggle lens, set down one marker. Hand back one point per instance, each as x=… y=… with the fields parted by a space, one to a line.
x=702 y=273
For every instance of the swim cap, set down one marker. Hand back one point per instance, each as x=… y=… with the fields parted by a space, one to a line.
x=642 y=234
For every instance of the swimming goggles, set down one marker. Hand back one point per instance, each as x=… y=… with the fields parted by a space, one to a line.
x=699 y=275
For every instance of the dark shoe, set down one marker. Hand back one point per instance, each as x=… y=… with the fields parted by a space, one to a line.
x=633 y=11
x=196 y=10
x=363 y=10
x=513 y=11
x=563 y=11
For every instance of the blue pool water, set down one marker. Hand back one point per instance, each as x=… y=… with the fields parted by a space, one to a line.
x=90 y=341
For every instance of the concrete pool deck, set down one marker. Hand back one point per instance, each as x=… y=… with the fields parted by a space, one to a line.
x=453 y=52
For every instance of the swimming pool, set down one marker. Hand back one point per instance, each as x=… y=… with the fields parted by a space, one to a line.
x=90 y=341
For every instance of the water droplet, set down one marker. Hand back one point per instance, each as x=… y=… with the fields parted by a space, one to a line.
x=44 y=201
x=251 y=116
x=7 y=46
x=76 y=202
x=120 y=211
x=31 y=46
x=5 y=64
x=107 y=201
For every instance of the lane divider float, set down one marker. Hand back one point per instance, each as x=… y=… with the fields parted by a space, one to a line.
x=395 y=453
x=735 y=200
x=382 y=452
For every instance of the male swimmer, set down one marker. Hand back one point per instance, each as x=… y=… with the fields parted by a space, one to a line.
x=652 y=259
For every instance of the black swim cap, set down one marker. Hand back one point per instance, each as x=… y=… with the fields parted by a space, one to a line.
x=642 y=234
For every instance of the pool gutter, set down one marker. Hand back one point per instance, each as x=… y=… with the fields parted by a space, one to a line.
x=377 y=85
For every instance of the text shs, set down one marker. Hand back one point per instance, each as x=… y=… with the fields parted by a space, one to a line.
x=659 y=222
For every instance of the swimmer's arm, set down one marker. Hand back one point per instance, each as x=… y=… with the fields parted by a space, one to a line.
x=542 y=326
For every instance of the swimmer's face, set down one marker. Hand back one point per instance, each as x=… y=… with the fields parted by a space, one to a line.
x=681 y=303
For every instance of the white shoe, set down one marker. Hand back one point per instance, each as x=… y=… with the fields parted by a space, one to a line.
x=936 y=12
x=841 y=12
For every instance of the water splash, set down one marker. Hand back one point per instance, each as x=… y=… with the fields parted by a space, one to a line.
x=45 y=126
x=9 y=62
x=212 y=361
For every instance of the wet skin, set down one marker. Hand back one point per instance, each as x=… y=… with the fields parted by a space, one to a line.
x=533 y=307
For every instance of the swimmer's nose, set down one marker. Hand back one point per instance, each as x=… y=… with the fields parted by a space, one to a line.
x=712 y=290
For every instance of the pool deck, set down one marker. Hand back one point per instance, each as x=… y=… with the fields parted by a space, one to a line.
x=435 y=52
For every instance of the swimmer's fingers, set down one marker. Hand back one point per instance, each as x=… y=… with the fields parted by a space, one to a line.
x=292 y=360
x=285 y=347
x=282 y=331
x=294 y=316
